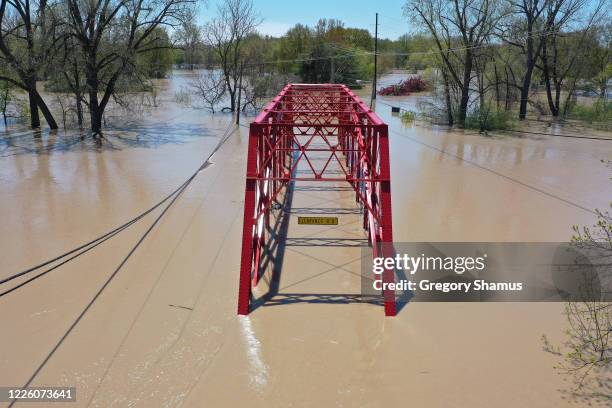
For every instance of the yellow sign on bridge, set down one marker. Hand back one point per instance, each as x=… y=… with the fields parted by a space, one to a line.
x=318 y=220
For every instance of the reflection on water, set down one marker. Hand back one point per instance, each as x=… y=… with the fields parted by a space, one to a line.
x=435 y=171
x=47 y=142
x=150 y=126
x=54 y=202
x=114 y=138
x=459 y=185
x=445 y=182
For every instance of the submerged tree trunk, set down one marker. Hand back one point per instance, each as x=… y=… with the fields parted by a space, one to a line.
x=465 y=89
x=231 y=90
x=34 y=116
x=45 y=111
x=33 y=105
x=96 y=120
x=532 y=56
x=79 y=109
x=554 y=107
x=497 y=99
x=232 y=95
x=4 y=100
x=447 y=98
x=91 y=75
x=78 y=92
x=36 y=102
x=96 y=105
x=525 y=93
x=95 y=116
x=508 y=95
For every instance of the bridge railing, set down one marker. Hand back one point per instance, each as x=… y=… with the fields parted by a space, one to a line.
x=305 y=120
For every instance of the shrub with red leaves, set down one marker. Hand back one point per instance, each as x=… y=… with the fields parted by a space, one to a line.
x=405 y=87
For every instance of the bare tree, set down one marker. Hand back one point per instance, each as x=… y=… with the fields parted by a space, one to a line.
x=6 y=97
x=459 y=28
x=258 y=88
x=27 y=41
x=71 y=58
x=209 y=87
x=561 y=51
x=111 y=33
x=531 y=22
x=189 y=39
x=64 y=103
x=236 y=19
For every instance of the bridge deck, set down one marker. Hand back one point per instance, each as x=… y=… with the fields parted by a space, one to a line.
x=314 y=263
x=314 y=134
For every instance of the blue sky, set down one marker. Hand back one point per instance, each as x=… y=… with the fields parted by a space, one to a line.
x=279 y=16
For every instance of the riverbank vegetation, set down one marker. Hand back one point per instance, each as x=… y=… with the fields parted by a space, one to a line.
x=599 y=113
x=486 y=63
x=586 y=354
x=405 y=87
x=497 y=56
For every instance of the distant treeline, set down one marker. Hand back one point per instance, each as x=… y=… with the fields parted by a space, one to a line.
x=482 y=58
x=316 y=53
x=485 y=60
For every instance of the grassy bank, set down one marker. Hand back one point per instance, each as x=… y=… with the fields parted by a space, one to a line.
x=598 y=114
x=490 y=120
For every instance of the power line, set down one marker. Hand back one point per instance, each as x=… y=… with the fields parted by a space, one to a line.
x=393 y=30
x=403 y=107
x=394 y=19
x=356 y=52
x=123 y=262
x=497 y=173
x=99 y=292
x=86 y=247
x=394 y=53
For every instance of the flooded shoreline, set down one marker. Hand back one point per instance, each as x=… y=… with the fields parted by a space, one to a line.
x=166 y=333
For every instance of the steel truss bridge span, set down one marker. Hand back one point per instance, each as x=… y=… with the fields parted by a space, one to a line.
x=351 y=144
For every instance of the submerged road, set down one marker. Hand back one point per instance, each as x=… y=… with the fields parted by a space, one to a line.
x=165 y=332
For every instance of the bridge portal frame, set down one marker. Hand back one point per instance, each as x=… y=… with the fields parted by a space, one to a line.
x=312 y=119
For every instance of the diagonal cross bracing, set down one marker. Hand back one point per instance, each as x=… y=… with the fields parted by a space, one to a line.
x=331 y=121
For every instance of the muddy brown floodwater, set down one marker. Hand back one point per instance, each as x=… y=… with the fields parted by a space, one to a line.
x=165 y=331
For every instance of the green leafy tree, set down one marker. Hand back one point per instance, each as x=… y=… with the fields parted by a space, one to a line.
x=157 y=62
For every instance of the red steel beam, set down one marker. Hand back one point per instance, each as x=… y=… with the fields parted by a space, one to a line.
x=304 y=119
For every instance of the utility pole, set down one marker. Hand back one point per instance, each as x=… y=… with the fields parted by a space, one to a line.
x=332 y=78
x=375 y=61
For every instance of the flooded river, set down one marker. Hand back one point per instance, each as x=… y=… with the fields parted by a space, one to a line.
x=165 y=333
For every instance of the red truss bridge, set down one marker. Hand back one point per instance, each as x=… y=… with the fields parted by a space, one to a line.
x=331 y=122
